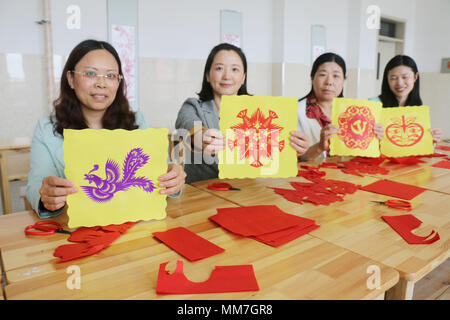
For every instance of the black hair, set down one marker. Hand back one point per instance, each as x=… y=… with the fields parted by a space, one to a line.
x=323 y=58
x=387 y=97
x=206 y=93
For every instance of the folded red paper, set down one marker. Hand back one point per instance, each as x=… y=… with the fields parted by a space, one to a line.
x=394 y=189
x=222 y=279
x=188 y=244
x=405 y=224
x=267 y=224
x=90 y=241
x=445 y=164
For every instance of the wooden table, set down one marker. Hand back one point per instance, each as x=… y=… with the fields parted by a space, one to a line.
x=355 y=224
x=12 y=148
x=306 y=268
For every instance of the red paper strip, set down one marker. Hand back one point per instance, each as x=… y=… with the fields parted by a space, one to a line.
x=222 y=279
x=442 y=164
x=446 y=148
x=394 y=189
x=254 y=220
x=405 y=224
x=188 y=244
x=90 y=241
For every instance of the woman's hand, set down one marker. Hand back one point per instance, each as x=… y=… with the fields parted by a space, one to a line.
x=300 y=142
x=173 y=180
x=325 y=136
x=213 y=141
x=378 y=130
x=54 y=192
x=436 y=133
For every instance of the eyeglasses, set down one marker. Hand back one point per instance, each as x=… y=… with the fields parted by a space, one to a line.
x=111 y=78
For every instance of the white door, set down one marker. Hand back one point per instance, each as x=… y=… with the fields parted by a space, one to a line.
x=386 y=51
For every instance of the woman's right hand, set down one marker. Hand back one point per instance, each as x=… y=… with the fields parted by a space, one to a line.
x=325 y=135
x=54 y=191
x=213 y=141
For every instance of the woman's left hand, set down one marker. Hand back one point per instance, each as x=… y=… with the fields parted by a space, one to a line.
x=378 y=130
x=436 y=133
x=173 y=180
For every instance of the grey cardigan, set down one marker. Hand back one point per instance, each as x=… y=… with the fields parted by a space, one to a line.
x=204 y=112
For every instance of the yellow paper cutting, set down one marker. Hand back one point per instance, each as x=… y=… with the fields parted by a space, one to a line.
x=355 y=119
x=406 y=131
x=116 y=173
x=257 y=131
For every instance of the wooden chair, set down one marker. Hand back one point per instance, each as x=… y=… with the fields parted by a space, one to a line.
x=14 y=166
x=176 y=148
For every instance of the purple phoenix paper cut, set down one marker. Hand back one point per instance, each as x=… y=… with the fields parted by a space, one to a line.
x=105 y=189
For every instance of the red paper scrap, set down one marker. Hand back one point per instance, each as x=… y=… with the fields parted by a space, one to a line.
x=278 y=238
x=188 y=244
x=405 y=224
x=394 y=189
x=434 y=155
x=411 y=160
x=222 y=279
x=311 y=173
x=446 y=148
x=254 y=220
x=90 y=241
x=442 y=164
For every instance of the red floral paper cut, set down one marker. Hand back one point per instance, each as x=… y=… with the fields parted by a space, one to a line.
x=188 y=244
x=394 y=189
x=223 y=279
x=405 y=224
x=256 y=136
x=356 y=125
x=90 y=241
x=404 y=132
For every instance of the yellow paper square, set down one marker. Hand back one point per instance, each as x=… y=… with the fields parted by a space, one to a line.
x=355 y=118
x=257 y=131
x=100 y=199
x=406 y=131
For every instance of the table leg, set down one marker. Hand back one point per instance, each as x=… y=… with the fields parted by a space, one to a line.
x=6 y=196
x=403 y=290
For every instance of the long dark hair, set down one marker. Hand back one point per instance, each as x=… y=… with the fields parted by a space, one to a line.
x=323 y=58
x=387 y=97
x=68 y=114
x=206 y=93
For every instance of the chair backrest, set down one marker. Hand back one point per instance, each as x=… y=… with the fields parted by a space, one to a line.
x=176 y=148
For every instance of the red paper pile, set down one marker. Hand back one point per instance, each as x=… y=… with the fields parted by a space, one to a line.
x=394 y=189
x=320 y=191
x=222 y=279
x=90 y=241
x=265 y=223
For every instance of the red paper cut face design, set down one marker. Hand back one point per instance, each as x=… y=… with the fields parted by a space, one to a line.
x=256 y=136
x=356 y=125
x=404 y=132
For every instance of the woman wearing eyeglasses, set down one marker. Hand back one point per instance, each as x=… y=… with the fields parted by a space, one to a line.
x=91 y=96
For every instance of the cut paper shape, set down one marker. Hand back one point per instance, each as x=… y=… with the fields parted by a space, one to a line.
x=356 y=120
x=223 y=279
x=405 y=224
x=318 y=192
x=257 y=131
x=446 y=148
x=110 y=193
x=265 y=223
x=90 y=241
x=411 y=160
x=105 y=189
x=188 y=244
x=445 y=164
x=394 y=189
x=407 y=131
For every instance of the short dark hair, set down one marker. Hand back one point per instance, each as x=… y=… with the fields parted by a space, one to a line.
x=206 y=93
x=387 y=97
x=323 y=58
x=67 y=107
